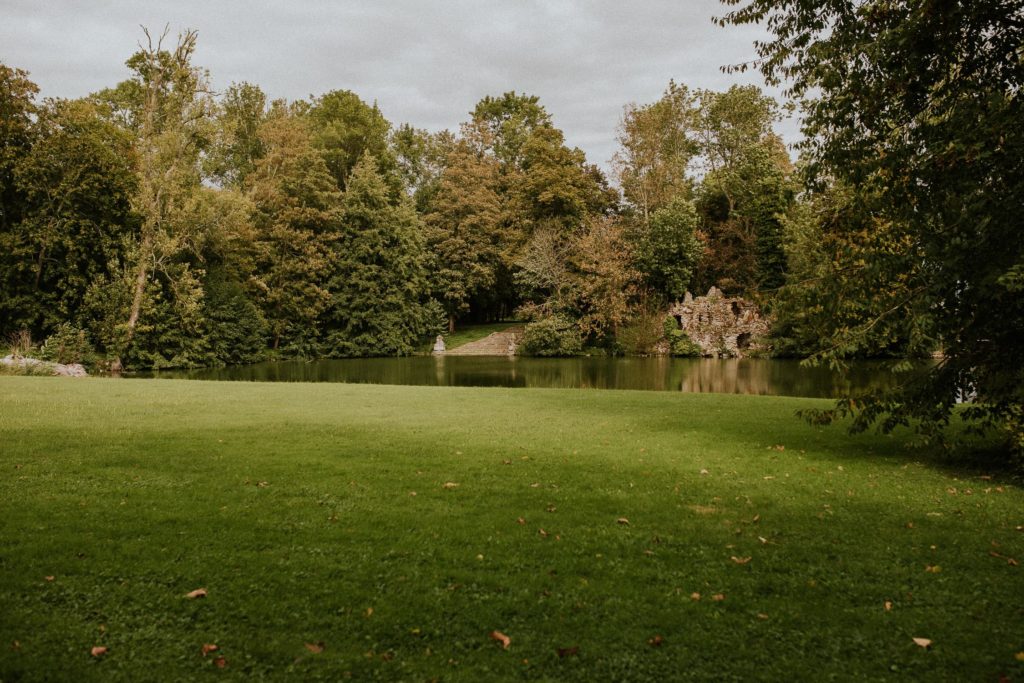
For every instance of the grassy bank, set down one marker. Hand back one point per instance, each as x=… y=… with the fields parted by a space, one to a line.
x=609 y=535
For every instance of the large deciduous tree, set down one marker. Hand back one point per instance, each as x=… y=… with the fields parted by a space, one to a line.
x=918 y=105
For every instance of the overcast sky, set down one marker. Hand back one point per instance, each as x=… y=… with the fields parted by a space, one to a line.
x=424 y=62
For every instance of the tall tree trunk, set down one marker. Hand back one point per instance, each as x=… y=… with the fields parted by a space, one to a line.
x=451 y=323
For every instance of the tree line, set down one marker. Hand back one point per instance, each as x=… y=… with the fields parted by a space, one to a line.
x=176 y=226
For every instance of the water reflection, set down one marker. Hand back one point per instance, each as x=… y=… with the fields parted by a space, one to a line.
x=748 y=376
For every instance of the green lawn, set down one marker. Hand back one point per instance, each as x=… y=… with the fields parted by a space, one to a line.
x=400 y=526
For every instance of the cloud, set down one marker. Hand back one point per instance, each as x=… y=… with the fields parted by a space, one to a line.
x=424 y=63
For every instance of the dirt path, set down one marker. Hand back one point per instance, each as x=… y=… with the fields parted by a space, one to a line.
x=501 y=343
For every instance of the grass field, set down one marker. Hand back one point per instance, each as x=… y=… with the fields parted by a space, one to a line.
x=384 y=532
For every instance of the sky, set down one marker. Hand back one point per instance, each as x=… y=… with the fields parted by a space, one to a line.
x=425 y=62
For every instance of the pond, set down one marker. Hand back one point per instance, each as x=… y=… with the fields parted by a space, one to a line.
x=746 y=376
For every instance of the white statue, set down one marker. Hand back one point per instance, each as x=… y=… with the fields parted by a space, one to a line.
x=439 y=344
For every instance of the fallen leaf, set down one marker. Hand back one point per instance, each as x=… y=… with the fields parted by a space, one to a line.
x=623 y=521
x=99 y=651
x=449 y=485
x=704 y=472
x=49 y=578
x=762 y=616
x=923 y=642
x=500 y=637
x=888 y=606
x=543 y=533
x=656 y=641
x=718 y=597
x=741 y=560
x=756 y=519
x=1019 y=656
x=263 y=484
x=208 y=648
x=933 y=568
x=551 y=508
x=369 y=612
x=506 y=462
x=649 y=553
x=412 y=494
x=197 y=593
x=535 y=485
x=778 y=447
x=220 y=662
x=564 y=652
x=763 y=540
x=695 y=596
x=316 y=648
x=520 y=521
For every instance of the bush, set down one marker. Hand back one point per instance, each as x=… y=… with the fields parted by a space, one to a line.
x=554 y=336
x=68 y=344
x=679 y=343
x=641 y=335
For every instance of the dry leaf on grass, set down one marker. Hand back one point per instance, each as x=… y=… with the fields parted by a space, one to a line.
x=564 y=652
x=520 y=521
x=99 y=651
x=220 y=662
x=197 y=593
x=208 y=648
x=718 y=597
x=623 y=521
x=656 y=641
x=500 y=637
x=449 y=485
x=888 y=606
x=49 y=578
x=741 y=560
x=695 y=596
x=923 y=642
x=316 y=648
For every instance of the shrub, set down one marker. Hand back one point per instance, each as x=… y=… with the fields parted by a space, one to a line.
x=679 y=343
x=642 y=334
x=554 y=336
x=68 y=344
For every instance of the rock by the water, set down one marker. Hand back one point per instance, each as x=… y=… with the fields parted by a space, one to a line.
x=70 y=370
x=723 y=327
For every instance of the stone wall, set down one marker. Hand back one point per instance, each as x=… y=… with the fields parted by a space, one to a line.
x=723 y=327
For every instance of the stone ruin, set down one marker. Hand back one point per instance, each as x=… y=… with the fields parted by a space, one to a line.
x=723 y=327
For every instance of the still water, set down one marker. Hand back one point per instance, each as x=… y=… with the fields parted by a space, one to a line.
x=748 y=376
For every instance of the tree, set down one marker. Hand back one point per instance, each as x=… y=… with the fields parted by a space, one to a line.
x=657 y=143
x=296 y=215
x=171 y=128
x=744 y=190
x=77 y=182
x=919 y=107
x=17 y=111
x=379 y=286
x=236 y=143
x=463 y=229
x=667 y=250
x=345 y=128
x=509 y=122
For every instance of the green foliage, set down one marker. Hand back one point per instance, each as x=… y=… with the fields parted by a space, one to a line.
x=667 y=250
x=234 y=328
x=679 y=343
x=78 y=183
x=344 y=129
x=920 y=111
x=552 y=336
x=68 y=344
x=378 y=286
x=641 y=334
x=236 y=143
x=17 y=110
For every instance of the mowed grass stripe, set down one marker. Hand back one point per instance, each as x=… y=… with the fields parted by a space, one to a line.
x=294 y=506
